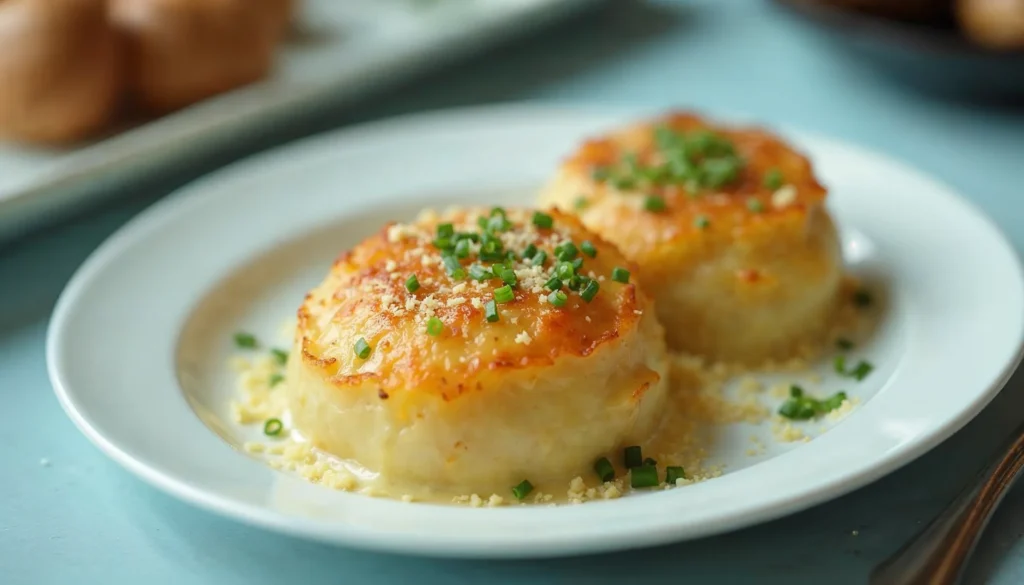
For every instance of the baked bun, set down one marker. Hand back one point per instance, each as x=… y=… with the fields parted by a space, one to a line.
x=442 y=399
x=183 y=51
x=727 y=225
x=60 y=69
x=998 y=24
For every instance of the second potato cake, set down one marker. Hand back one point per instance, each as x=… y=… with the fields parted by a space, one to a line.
x=727 y=225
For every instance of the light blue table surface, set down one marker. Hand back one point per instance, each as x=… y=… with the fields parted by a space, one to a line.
x=84 y=520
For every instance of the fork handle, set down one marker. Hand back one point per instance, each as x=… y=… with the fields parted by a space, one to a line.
x=939 y=553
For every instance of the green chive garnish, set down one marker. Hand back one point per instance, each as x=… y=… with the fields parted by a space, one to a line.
x=434 y=326
x=542 y=220
x=445 y=230
x=362 y=349
x=632 y=456
x=280 y=356
x=566 y=252
x=802 y=407
x=862 y=298
x=275 y=379
x=412 y=284
x=755 y=205
x=530 y=251
x=509 y=276
x=604 y=470
x=245 y=340
x=844 y=344
x=553 y=283
x=649 y=461
x=672 y=473
x=644 y=476
x=565 y=270
x=620 y=275
x=590 y=291
x=577 y=264
x=522 y=490
x=477 y=272
x=861 y=370
x=491 y=311
x=453 y=267
x=462 y=249
x=701 y=222
x=773 y=179
x=588 y=248
x=540 y=258
x=558 y=298
x=654 y=203
x=273 y=427
x=504 y=294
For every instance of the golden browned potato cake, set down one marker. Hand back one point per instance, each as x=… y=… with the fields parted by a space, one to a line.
x=727 y=225
x=447 y=356
x=183 y=51
x=60 y=69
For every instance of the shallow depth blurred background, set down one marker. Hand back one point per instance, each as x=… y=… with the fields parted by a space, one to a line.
x=187 y=89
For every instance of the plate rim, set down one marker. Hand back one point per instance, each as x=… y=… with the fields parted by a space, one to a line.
x=138 y=226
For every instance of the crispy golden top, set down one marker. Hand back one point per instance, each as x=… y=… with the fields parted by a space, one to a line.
x=747 y=204
x=366 y=296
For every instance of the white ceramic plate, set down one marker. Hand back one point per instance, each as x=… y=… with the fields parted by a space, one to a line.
x=345 y=50
x=138 y=341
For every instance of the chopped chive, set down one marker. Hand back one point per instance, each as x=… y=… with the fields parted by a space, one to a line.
x=434 y=327
x=588 y=248
x=504 y=294
x=491 y=311
x=445 y=230
x=577 y=263
x=509 y=276
x=273 y=427
x=649 y=461
x=566 y=252
x=452 y=266
x=280 y=356
x=498 y=223
x=581 y=203
x=443 y=244
x=604 y=470
x=620 y=275
x=540 y=258
x=522 y=490
x=412 y=284
x=833 y=402
x=673 y=473
x=797 y=409
x=632 y=456
x=796 y=391
x=590 y=291
x=462 y=249
x=553 y=283
x=362 y=349
x=565 y=270
x=654 y=203
x=275 y=379
x=542 y=220
x=773 y=179
x=245 y=340
x=477 y=272
x=644 y=476
x=844 y=344
x=862 y=298
x=575 y=283
x=755 y=205
x=701 y=222
x=530 y=251
x=482 y=222
x=839 y=364
x=623 y=183
x=558 y=298
x=861 y=370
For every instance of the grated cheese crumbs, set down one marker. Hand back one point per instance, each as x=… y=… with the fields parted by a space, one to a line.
x=524 y=338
